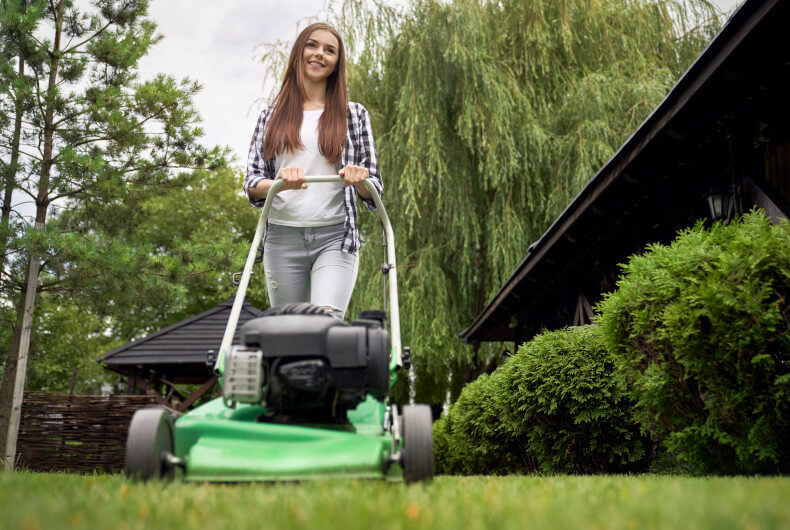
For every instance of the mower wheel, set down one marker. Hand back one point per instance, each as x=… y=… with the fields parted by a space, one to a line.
x=149 y=444
x=417 y=452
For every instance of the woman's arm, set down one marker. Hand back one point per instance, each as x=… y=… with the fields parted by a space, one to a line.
x=260 y=170
x=261 y=189
x=365 y=158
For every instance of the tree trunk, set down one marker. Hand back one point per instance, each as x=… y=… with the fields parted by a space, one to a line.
x=10 y=174
x=482 y=263
x=477 y=366
x=18 y=354
x=7 y=388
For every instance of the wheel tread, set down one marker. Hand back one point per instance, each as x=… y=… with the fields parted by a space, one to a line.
x=150 y=433
x=418 y=461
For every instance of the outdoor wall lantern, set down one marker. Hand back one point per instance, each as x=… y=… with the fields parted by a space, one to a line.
x=721 y=202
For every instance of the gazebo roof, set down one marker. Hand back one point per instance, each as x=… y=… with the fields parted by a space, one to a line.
x=178 y=352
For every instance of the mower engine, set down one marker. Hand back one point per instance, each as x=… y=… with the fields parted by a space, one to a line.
x=308 y=366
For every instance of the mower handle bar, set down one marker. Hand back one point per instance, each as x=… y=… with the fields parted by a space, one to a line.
x=235 y=312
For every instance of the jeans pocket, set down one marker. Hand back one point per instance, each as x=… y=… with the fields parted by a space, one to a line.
x=275 y=234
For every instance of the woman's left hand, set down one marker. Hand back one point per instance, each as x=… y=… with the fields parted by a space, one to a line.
x=356 y=176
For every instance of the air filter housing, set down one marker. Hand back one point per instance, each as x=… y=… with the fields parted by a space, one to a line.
x=317 y=366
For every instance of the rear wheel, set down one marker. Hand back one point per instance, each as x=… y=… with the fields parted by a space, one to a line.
x=149 y=444
x=417 y=452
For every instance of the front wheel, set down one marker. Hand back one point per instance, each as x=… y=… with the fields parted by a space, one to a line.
x=149 y=444
x=417 y=452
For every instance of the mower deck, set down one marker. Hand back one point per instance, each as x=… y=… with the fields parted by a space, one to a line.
x=220 y=444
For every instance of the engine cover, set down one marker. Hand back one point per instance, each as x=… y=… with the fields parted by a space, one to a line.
x=318 y=366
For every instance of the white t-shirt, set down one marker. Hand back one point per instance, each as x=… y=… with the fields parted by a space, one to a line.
x=321 y=204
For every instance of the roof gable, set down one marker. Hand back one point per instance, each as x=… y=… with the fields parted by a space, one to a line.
x=185 y=342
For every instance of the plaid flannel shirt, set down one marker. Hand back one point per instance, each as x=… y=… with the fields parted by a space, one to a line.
x=359 y=151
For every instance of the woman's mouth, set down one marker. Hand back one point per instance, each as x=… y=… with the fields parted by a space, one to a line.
x=315 y=64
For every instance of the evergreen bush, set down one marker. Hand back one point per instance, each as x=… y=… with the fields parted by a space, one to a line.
x=701 y=330
x=471 y=437
x=568 y=403
x=557 y=406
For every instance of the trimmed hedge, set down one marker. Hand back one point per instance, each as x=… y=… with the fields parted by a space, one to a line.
x=557 y=406
x=471 y=439
x=701 y=330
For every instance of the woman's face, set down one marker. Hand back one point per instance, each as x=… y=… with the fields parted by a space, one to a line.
x=320 y=55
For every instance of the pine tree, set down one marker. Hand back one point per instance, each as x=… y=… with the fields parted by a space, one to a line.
x=18 y=20
x=95 y=139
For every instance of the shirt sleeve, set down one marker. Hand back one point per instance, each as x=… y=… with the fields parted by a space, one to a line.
x=368 y=160
x=258 y=167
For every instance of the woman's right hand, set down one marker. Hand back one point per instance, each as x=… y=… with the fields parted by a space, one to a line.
x=292 y=177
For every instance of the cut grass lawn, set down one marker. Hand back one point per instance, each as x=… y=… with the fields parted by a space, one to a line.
x=45 y=501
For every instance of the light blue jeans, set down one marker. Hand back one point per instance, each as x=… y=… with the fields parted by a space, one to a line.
x=306 y=265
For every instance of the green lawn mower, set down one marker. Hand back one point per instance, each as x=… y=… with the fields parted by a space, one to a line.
x=304 y=396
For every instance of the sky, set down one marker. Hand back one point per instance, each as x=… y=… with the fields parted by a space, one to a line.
x=215 y=44
x=218 y=44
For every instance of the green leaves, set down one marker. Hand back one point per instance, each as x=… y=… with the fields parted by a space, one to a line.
x=702 y=327
x=101 y=150
x=557 y=406
x=489 y=118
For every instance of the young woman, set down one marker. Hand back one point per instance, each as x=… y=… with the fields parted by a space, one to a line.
x=312 y=239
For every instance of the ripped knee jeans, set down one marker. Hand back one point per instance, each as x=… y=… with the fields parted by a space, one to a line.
x=306 y=264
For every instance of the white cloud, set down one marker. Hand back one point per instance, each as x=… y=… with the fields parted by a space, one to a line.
x=213 y=43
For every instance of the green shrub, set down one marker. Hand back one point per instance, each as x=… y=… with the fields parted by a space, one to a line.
x=568 y=404
x=701 y=330
x=471 y=438
x=556 y=406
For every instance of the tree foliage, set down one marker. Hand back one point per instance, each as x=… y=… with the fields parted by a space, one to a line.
x=184 y=245
x=490 y=117
x=64 y=348
x=96 y=142
x=702 y=330
x=187 y=241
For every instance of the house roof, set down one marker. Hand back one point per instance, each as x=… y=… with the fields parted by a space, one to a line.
x=653 y=184
x=178 y=352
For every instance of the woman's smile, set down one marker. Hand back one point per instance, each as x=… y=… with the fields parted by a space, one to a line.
x=320 y=55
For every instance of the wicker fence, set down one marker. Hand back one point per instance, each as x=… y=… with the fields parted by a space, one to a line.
x=79 y=434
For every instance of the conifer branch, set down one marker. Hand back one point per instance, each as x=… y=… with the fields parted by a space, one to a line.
x=28 y=193
x=101 y=30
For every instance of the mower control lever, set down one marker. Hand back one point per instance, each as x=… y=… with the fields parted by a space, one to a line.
x=236 y=279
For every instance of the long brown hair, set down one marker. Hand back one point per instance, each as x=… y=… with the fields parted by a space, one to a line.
x=282 y=132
